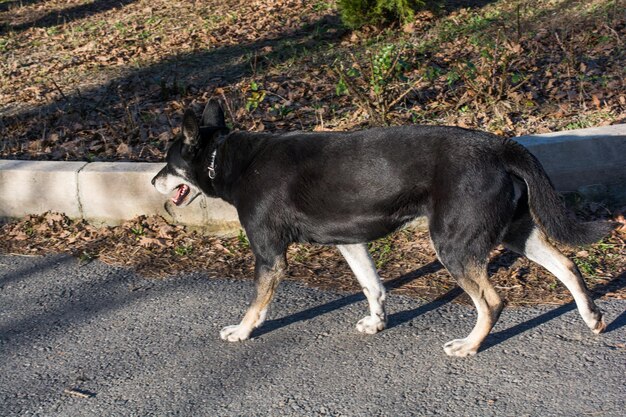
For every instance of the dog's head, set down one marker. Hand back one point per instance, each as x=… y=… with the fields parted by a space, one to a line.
x=182 y=175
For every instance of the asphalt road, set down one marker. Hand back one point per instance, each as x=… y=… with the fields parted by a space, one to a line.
x=93 y=340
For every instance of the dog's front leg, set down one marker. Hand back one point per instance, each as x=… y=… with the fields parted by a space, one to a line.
x=362 y=264
x=267 y=276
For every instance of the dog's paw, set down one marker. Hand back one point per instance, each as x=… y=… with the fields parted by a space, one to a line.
x=599 y=327
x=235 y=333
x=370 y=325
x=460 y=347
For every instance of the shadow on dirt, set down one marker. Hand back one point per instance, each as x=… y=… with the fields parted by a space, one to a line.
x=59 y=17
x=7 y=5
x=110 y=102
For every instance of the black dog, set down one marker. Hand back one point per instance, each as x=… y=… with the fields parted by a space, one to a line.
x=346 y=189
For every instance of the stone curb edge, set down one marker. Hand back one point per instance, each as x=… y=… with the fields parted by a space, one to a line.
x=591 y=162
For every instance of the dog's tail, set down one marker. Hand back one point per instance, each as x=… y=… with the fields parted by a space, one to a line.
x=546 y=209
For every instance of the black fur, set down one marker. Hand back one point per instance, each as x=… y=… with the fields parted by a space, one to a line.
x=546 y=208
x=339 y=188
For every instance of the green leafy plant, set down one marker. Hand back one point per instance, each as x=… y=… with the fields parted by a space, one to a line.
x=243 y=240
x=28 y=228
x=385 y=67
x=86 y=256
x=183 y=250
x=322 y=5
x=379 y=85
x=587 y=265
x=256 y=96
x=138 y=231
x=281 y=110
x=357 y=13
x=381 y=251
x=431 y=73
x=341 y=89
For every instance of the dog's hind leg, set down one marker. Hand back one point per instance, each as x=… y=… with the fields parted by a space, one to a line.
x=463 y=243
x=533 y=244
x=473 y=278
x=267 y=276
x=364 y=268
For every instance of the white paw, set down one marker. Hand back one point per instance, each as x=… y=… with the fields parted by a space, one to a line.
x=235 y=333
x=370 y=325
x=599 y=327
x=460 y=347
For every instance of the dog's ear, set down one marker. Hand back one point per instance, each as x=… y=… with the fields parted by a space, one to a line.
x=191 y=129
x=213 y=115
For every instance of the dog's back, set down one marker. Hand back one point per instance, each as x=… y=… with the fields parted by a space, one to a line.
x=357 y=186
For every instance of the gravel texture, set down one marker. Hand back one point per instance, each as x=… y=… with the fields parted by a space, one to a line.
x=92 y=340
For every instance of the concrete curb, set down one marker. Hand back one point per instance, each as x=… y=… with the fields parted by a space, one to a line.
x=589 y=161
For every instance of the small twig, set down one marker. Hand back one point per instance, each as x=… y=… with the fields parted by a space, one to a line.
x=395 y=62
x=253 y=63
x=59 y=90
x=617 y=36
x=519 y=25
x=318 y=112
x=277 y=95
x=228 y=107
x=494 y=66
x=567 y=54
x=517 y=87
x=558 y=41
x=507 y=288
x=408 y=90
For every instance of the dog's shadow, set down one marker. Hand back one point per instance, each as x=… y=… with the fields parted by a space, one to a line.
x=393 y=320
x=402 y=317
x=620 y=321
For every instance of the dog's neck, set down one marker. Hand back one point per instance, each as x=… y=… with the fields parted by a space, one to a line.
x=229 y=157
x=211 y=166
x=213 y=155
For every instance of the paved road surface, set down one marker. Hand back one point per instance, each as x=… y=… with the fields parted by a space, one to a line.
x=135 y=346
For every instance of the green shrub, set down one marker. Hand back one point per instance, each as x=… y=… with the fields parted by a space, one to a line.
x=357 y=13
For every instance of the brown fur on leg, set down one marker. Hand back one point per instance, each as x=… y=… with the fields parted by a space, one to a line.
x=474 y=280
x=267 y=279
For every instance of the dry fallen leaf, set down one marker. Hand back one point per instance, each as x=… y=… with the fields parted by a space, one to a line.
x=150 y=241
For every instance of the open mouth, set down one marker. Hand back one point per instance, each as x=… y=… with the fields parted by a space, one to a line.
x=182 y=191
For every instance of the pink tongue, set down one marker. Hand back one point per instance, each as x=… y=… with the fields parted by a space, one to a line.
x=180 y=194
